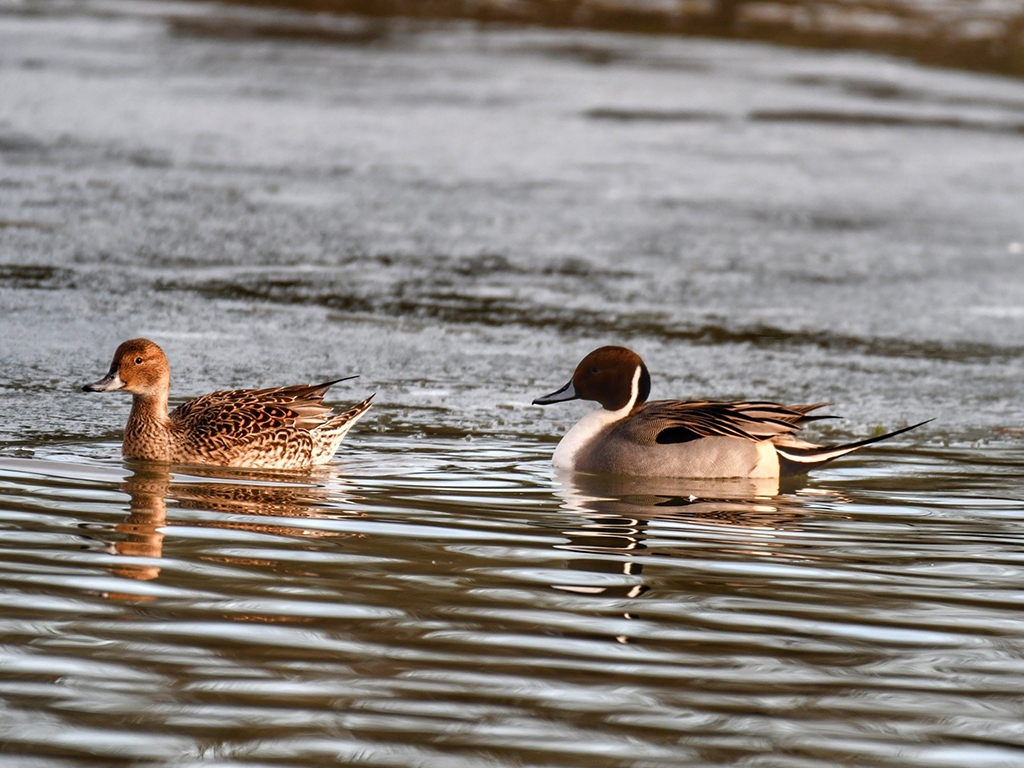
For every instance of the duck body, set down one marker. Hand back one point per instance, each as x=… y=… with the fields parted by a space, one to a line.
x=616 y=449
x=276 y=428
x=688 y=439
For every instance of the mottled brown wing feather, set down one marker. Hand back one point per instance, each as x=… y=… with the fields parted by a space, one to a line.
x=252 y=410
x=674 y=421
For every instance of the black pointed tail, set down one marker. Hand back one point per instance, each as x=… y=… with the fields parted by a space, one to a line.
x=799 y=461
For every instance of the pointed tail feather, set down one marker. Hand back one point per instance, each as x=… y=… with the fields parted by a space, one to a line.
x=328 y=436
x=798 y=461
x=345 y=420
x=317 y=391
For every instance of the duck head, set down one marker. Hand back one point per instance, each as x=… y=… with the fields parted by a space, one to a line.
x=140 y=367
x=615 y=377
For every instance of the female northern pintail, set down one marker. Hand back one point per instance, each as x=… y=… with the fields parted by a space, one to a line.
x=671 y=438
x=278 y=428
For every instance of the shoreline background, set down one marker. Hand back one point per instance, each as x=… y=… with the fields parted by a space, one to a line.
x=979 y=35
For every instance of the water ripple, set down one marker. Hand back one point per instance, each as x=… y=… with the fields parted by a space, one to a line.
x=444 y=616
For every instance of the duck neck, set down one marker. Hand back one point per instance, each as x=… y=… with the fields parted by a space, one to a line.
x=147 y=435
x=590 y=427
x=149 y=407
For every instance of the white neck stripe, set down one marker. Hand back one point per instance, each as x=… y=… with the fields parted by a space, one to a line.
x=590 y=427
x=634 y=393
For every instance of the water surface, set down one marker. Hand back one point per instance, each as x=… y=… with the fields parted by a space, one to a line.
x=458 y=215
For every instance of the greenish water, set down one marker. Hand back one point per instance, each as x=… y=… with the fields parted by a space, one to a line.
x=458 y=215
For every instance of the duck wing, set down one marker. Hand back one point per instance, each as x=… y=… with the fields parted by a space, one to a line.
x=664 y=422
x=246 y=412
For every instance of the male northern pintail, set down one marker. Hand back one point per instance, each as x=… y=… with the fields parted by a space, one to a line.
x=670 y=438
x=278 y=428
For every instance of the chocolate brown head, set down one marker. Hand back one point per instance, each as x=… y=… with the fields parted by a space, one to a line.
x=615 y=377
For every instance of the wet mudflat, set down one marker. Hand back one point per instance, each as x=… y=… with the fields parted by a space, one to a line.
x=458 y=214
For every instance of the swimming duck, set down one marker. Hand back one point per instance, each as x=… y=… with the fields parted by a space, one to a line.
x=670 y=438
x=277 y=428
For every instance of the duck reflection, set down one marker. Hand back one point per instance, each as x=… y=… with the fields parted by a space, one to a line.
x=251 y=494
x=620 y=514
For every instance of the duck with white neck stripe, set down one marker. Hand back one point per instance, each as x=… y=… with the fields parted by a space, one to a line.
x=671 y=438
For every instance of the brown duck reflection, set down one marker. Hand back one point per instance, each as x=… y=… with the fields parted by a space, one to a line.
x=617 y=513
x=267 y=494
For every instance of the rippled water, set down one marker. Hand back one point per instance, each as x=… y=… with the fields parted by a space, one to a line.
x=466 y=608
x=458 y=215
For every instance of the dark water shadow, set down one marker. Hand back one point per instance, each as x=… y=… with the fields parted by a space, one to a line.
x=816 y=117
x=886 y=91
x=33 y=276
x=607 y=53
x=319 y=28
x=440 y=298
x=883 y=120
x=624 y=115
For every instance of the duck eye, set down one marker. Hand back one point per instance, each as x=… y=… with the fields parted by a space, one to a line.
x=138 y=361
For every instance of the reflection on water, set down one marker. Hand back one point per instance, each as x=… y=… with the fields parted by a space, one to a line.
x=236 y=494
x=615 y=511
x=141 y=529
x=611 y=516
x=584 y=491
x=616 y=515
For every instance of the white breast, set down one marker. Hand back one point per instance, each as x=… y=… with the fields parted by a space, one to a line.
x=583 y=432
x=589 y=428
